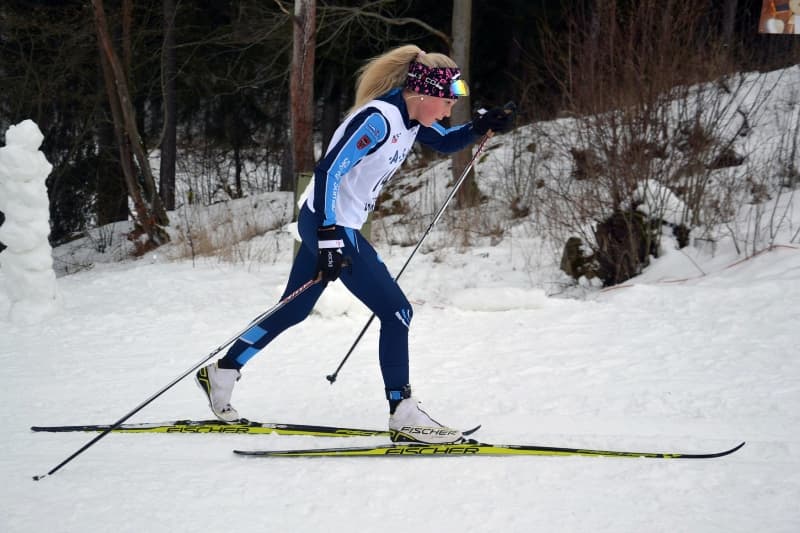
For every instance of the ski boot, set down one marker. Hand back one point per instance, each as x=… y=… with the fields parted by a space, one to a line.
x=217 y=384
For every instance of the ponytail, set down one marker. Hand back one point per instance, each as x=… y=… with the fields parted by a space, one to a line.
x=387 y=71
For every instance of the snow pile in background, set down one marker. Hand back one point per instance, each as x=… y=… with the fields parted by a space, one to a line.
x=27 y=263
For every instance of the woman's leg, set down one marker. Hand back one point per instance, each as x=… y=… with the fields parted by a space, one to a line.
x=370 y=281
x=259 y=335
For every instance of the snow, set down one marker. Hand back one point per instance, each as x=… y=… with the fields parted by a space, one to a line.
x=696 y=354
x=28 y=262
x=692 y=366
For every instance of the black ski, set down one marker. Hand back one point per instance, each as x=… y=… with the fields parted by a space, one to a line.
x=472 y=448
x=242 y=426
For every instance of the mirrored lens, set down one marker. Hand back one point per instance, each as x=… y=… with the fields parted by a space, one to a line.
x=459 y=88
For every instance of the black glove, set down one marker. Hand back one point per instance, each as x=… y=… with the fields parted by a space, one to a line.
x=498 y=119
x=330 y=241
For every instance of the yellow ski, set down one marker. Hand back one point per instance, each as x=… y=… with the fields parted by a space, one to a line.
x=471 y=448
x=242 y=426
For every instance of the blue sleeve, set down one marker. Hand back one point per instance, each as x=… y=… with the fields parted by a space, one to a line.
x=365 y=133
x=447 y=140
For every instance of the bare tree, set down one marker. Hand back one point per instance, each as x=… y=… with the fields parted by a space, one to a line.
x=149 y=213
x=468 y=195
x=169 y=71
x=338 y=24
x=301 y=92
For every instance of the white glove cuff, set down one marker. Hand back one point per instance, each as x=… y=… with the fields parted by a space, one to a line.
x=338 y=243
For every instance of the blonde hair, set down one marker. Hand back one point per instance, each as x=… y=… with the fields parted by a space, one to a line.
x=389 y=70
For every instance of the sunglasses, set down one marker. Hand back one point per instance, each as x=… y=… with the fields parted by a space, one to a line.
x=457 y=87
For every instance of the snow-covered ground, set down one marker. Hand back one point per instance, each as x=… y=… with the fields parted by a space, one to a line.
x=692 y=366
x=697 y=354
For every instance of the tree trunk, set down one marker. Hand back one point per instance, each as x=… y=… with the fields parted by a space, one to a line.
x=127 y=32
x=238 y=165
x=168 y=137
x=468 y=195
x=112 y=193
x=729 y=20
x=150 y=214
x=302 y=86
x=125 y=156
x=287 y=167
x=331 y=108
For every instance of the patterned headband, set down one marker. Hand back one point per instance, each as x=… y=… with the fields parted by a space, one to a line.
x=442 y=82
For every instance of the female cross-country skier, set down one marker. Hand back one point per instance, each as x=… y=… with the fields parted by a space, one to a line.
x=400 y=97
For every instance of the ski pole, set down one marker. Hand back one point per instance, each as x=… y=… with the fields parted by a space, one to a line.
x=269 y=312
x=437 y=216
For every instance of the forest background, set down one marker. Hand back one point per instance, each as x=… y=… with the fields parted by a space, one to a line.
x=129 y=93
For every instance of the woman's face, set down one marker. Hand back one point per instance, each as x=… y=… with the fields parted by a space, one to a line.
x=430 y=109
